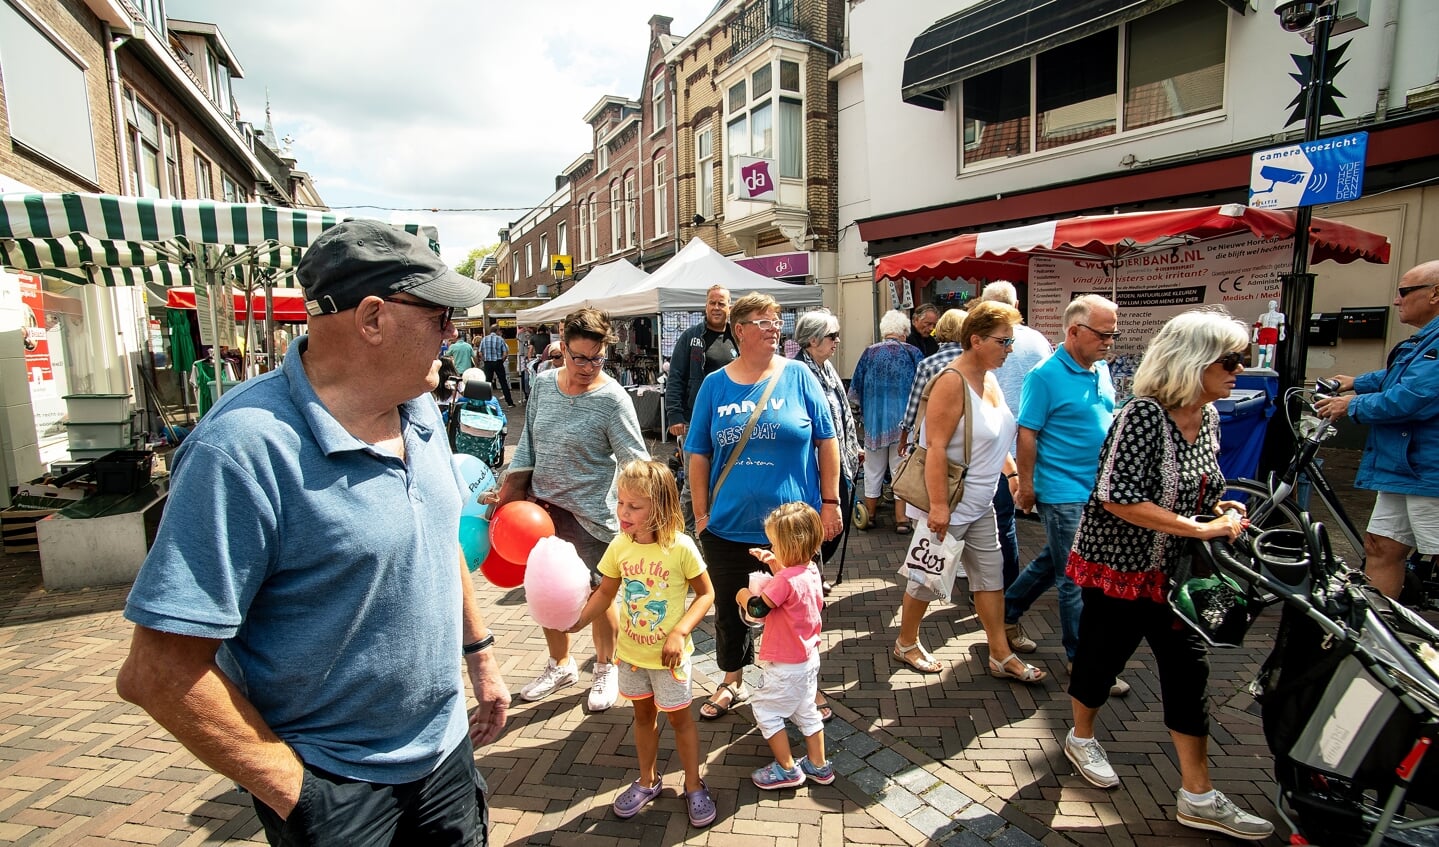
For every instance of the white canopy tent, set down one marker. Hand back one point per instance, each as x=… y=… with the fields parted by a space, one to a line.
x=600 y=284
x=682 y=284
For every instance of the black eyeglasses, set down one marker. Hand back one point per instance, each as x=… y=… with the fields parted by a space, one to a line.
x=1410 y=289
x=833 y=336
x=1230 y=361
x=587 y=361
x=1005 y=341
x=446 y=314
x=1107 y=336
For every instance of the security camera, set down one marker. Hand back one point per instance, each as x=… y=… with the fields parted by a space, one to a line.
x=1298 y=15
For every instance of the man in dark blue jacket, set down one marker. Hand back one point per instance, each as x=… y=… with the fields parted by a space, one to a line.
x=699 y=351
x=1400 y=403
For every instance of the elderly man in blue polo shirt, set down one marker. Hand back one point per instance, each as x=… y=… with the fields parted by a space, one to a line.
x=305 y=612
x=1066 y=407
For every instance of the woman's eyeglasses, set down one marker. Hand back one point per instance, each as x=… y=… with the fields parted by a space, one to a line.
x=765 y=324
x=1005 y=341
x=588 y=361
x=1230 y=361
x=833 y=336
x=446 y=314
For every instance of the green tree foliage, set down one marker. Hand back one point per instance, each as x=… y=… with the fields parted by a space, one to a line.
x=472 y=261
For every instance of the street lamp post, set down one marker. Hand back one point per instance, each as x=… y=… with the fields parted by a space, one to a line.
x=1297 y=286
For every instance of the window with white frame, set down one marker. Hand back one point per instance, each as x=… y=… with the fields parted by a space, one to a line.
x=1127 y=78
x=594 y=226
x=616 y=218
x=662 y=197
x=657 y=102
x=147 y=179
x=230 y=189
x=562 y=238
x=204 y=180
x=766 y=120
x=46 y=97
x=602 y=158
x=172 y=159
x=154 y=12
x=582 y=230
x=529 y=260
x=631 y=202
x=545 y=252
x=705 y=171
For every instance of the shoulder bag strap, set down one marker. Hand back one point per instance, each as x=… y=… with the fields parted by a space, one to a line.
x=963 y=397
x=744 y=439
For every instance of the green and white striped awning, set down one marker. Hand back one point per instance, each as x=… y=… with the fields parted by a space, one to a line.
x=111 y=240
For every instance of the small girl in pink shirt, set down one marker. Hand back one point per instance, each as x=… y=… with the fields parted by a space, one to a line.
x=790 y=604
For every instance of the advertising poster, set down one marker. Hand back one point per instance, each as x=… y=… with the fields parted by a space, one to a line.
x=38 y=367
x=1240 y=272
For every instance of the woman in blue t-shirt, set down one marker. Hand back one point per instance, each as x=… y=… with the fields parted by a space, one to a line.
x=790 y=455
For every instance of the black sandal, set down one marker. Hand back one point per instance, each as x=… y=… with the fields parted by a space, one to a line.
x=721 y=710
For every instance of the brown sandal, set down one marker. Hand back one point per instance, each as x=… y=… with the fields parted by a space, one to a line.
x=924 y=662
x=720 y=710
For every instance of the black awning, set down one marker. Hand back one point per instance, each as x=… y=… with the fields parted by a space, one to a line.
x=998 y=32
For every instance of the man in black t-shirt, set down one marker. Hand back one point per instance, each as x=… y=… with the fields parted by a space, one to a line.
x=921 y=332
x=699 y=351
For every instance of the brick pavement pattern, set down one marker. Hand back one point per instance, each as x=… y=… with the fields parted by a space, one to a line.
x=957 y=758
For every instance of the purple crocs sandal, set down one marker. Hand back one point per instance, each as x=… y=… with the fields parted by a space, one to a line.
x=701 y=806
x=634 y=798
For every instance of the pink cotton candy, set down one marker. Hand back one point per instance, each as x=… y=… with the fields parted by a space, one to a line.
x=557 y=583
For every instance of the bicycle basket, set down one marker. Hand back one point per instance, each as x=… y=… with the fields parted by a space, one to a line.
x=1216 y=608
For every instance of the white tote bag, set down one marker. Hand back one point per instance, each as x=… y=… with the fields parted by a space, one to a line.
x=932 y=561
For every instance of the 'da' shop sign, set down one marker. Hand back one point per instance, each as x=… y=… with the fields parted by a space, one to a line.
x=1239 y=272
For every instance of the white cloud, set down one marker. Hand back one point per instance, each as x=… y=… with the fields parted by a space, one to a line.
x=437 y=104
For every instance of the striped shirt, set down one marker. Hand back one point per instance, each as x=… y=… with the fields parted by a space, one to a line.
x=493 y=347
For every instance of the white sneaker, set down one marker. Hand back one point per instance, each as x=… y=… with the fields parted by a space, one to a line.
x=553 y=678
x=1221 y=815
x=1091 y=762
x=605 y=690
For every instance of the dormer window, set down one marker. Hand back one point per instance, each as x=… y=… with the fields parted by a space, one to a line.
x=602 y=157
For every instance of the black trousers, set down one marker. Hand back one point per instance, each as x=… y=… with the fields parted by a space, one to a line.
x=495 y=375
x=445 y=808
x=1110 y=630
x=730 y=565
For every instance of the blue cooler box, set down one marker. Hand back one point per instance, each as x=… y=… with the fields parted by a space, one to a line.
x=1243 y=418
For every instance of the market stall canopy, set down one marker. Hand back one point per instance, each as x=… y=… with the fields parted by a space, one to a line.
x=600 y=284
x=1004 y=254
x=113 y=240
x=289 y=303
x=682 y=284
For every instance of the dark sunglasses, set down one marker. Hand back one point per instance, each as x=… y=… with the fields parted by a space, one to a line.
x=833 y=336
x=446 y=314
x=555 y=357
x=1230 y=361
x=1107 y=336
x=1410 y=289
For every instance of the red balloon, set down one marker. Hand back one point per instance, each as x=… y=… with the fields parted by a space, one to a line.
x=501 y=572
x=516 y=527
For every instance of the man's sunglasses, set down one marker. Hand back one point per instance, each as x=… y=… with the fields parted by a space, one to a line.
x=1107 y=336
x=1230 y=361
x=1410 y=289
x=446 y=314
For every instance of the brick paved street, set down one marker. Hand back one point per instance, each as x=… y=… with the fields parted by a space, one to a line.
x=959 y=759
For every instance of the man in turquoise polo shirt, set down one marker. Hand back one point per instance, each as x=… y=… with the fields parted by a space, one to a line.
x=1066 y=407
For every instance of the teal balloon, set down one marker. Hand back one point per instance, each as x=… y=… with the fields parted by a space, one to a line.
x=474 y=540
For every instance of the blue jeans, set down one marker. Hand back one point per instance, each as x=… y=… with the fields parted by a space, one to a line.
x=1008 y=532
x=1061 y=522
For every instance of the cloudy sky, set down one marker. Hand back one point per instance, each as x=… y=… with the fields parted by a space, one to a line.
x=437 y=104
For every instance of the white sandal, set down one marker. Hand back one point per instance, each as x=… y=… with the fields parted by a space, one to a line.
x=1030 y=675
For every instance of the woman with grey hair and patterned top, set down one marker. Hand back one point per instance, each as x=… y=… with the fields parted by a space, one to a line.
x=817 y=334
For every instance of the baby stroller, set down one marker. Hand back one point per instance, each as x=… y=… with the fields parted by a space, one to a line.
x=482 y=431
x=1349 y=695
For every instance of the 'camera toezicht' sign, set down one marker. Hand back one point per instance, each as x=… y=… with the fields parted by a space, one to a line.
x=1329 y=170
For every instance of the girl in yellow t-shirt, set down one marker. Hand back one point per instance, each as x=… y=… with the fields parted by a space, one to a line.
x=652 y=565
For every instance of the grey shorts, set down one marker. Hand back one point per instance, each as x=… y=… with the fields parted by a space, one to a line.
x=671 y=689
x=1410 y=519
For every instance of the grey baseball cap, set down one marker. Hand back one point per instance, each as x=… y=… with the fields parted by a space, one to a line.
x=357 y=259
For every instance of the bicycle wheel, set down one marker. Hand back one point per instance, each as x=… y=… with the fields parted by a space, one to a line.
x=1251 y=493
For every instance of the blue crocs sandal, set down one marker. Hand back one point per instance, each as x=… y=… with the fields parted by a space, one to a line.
x=701 y=806
x=628 y=804
x=772 y=777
